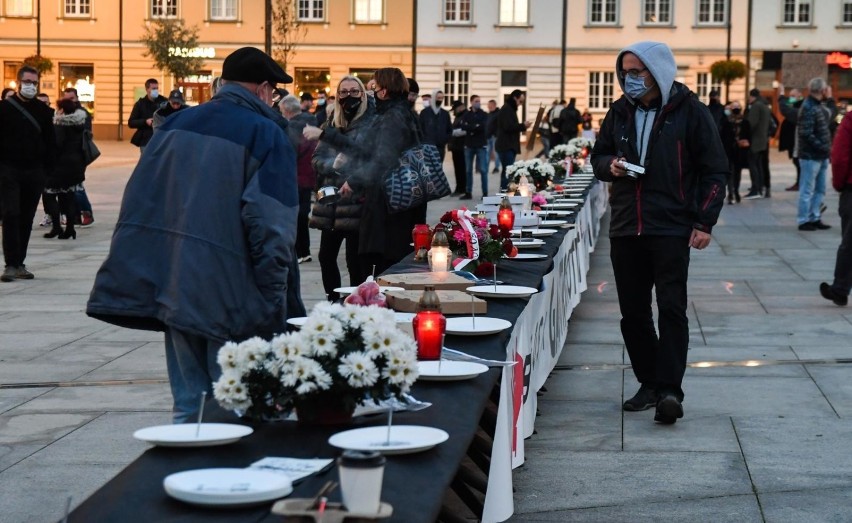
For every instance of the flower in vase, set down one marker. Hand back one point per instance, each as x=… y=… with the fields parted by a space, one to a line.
x=359 y=370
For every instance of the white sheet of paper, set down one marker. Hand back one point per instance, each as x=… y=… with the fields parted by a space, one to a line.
x=293 y=468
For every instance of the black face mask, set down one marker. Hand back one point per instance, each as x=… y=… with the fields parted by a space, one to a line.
x=350 y=106
x=736 y=110
x=438 y=103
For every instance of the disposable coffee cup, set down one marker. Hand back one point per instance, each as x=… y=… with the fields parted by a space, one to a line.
x=361 y=476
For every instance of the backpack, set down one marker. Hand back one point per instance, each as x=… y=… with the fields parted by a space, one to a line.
x=773 y=125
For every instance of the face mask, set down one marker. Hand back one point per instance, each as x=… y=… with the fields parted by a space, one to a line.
x=476 y=105
x=793 y=99
x=29 y=91
x=350 y=105
x=635 y=87
x=727 y=112
x=736 y=110
x=426 y=103
x=155 y=93
x=438 y=102
x=321 y=101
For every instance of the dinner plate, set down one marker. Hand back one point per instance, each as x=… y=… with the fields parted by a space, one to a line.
x=227 y=486
x=535 y=243
x=350 y=290
x=183 y=435
x=554 y=213
x=526 y=256
x=404 y=439
x=478 y=326
x=569 y=200
x=449 y=370
x=502 y=291
x=553 y=223
x=297 y=322
x=563 y=205
x=535 y=232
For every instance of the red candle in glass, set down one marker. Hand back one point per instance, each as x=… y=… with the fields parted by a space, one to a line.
x=429 y=326
x=505 y=216
x=421 y=235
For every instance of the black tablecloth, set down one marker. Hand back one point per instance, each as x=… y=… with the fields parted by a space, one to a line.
x=414 y=484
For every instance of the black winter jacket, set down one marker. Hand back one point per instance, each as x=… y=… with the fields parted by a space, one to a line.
x=475 y=124
x=143 y=109
x=457 y=142
x=813 y=131
x=436 y=128
x=683 y=187
x=21 y=144
x=70 y=168
x=507 y=128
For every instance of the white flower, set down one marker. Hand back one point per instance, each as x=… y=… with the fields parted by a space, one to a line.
x=306 y=387
x=252 y=352
x=227 y=356
x=324 y=346
x=380 y=339
x=287 y=347
x=231 y=392
x=322 y=324
x=402 y=369
x=328 y=308
x=359 y=370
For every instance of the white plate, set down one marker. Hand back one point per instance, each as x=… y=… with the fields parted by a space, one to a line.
x=535 y=232
x=554 y=213
x=183 y=435
x=297 y=322
x=350 y=290
x=553 y=223
x=480 y=326
x=527 y=256
x=223 y=487
x=449 y=370
x=560 y=206
x=404 y=439
x=502 y=291
x=535 y=243
x=569 y=200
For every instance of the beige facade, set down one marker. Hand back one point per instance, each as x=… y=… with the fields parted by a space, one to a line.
x=81 y=37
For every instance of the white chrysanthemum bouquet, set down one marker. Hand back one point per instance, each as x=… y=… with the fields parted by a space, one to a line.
x=343 y=356
x=538 y=173
x=574 y=152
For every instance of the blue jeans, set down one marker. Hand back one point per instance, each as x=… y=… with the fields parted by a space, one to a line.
x=83 y=201
x=507 y=158
x=811 y=189
x=192 y=367
x=481 y=154
x=491 y=142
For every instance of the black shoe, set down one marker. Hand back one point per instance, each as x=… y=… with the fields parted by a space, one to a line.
x=23 y=273
x=807 y=226
x=766 y=194
x=645 y=398
x=669 y=410
x=821 y=226
x=9 y=274
x=730 y=201
x=737 y=197
x=466 y=196
x=752 y=195
x=794 y=187
x=829 y=293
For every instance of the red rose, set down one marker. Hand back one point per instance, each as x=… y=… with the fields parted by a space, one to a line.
x=494 y=231
x=447 y=217
x=507 y=246
x=484 y=270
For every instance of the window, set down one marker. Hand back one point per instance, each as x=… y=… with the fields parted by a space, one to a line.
x=457 y=11
x=603 y=12
x=82 y=78
x=164 y=8
x=312 y=10
x=513 y=78
x=514 y=12
x=705 y=84
x=846 y=16
x=223 y=9
x=10 y=74
x=365 y=75
x=78 y=7
x=601 y=88
x=456 y=84
x=312 y=81
x=657 y=12
x=797 y=12
x=18 y=7
x=712 y=12
x=369 y=11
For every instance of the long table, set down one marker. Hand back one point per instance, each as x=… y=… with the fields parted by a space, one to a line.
x=415 y=485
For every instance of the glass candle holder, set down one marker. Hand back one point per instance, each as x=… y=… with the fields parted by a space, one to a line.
x=429 y=326
x=421 y=235
x=506 y=216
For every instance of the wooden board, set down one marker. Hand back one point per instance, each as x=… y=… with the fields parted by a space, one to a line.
x=452 y=302
x=446 y=281
x=533 y=132
x=799 y=68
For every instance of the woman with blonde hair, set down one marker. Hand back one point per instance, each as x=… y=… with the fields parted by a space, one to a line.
x=336 y=158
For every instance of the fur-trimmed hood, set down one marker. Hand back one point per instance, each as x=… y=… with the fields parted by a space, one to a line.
x=78 y=117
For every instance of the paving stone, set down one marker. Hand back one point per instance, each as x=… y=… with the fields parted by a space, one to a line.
x=820 y=505
x=576 y=425
x=592 y=354
x=102 y=398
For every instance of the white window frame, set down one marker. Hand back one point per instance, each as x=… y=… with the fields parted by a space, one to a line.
x=164 y=7
x=602 y=12
x=18 y=8
x=657 y=7
x=457 y=85
x=518 y=9
x=311 y=6
x=845 y=13
x=77 y=8
x=371 y=11
x=601 y=89
x=704 y=83
x=797 y=12
x=454 y=16
x=713 y=8
x=222 y=5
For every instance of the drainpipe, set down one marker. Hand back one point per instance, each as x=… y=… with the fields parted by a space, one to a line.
x=564 y=49
x=728 y=54
x=414 y=43
x=120 y=70
x=267 y=28
x=748 y=50
x=38 y=28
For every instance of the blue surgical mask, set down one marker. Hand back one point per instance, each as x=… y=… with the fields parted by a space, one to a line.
x=634 y=87
x=29 y=91
x=727 y=112
x=477 y=105
x=155 y=93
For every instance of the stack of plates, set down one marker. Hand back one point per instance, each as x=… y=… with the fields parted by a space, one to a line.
x=528 y=244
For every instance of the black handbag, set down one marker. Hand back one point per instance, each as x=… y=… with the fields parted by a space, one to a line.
x=418 y=179
x=90 y=150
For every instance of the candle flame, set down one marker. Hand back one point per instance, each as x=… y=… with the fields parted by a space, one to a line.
x=601 y=286
x=729 y=286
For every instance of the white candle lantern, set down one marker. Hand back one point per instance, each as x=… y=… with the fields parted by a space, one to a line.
x=440 y=256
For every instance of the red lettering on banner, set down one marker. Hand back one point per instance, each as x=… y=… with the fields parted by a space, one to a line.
x=518 y=394
x=839 y=59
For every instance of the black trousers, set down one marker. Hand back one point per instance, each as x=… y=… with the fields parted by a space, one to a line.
x=303 y=239
x=460 y=169
x=843 y=266
x=20 y=190
x=755 y=169
x=764 y=158
x=661 y=263
x=330 y=242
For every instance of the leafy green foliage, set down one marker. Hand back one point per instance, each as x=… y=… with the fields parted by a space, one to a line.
x=170 y=43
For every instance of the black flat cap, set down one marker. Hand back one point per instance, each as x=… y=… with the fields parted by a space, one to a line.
x=413 y=86
x=307 y=97
x=250 y=64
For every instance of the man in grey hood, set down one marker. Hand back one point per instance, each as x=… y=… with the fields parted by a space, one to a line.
x=659 y=147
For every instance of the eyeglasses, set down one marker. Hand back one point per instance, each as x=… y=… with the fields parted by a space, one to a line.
x=343 y=93
x=633 y=73
x=29 y=82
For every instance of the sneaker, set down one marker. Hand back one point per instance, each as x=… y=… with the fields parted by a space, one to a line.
x=497 y=170
x=669 y=409
x=24 y=274
x=46 y=221
x=821 y=226
x=466 y=196
x=752 y=196
x=807 y=226
x=305 y=259
x=645 y=398
x=830 y=294
x=9 y=274
x=86 y=220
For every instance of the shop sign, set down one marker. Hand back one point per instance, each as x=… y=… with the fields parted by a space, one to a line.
x=194 y=52
x=839 y=59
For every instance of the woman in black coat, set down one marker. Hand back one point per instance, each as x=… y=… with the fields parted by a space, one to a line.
x=346 y=130
x=70 y=167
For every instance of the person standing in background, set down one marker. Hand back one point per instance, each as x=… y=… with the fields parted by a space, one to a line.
x=508 y=130
x=789 y=107
x=321 y=112
x=456 y=147
x=142 y=115
x=841 y=180
x=305 y=175
x=475 y=124
x=814 y=139
x=435 y=123
x=758 y=116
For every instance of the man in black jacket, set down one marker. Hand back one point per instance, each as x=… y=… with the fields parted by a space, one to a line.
x=508 y=131
x=27 y=149
x=474 y=123
x=456 y=147
x=142 y=115
x=658 y=215
x=435 y=123
x=569 y=121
